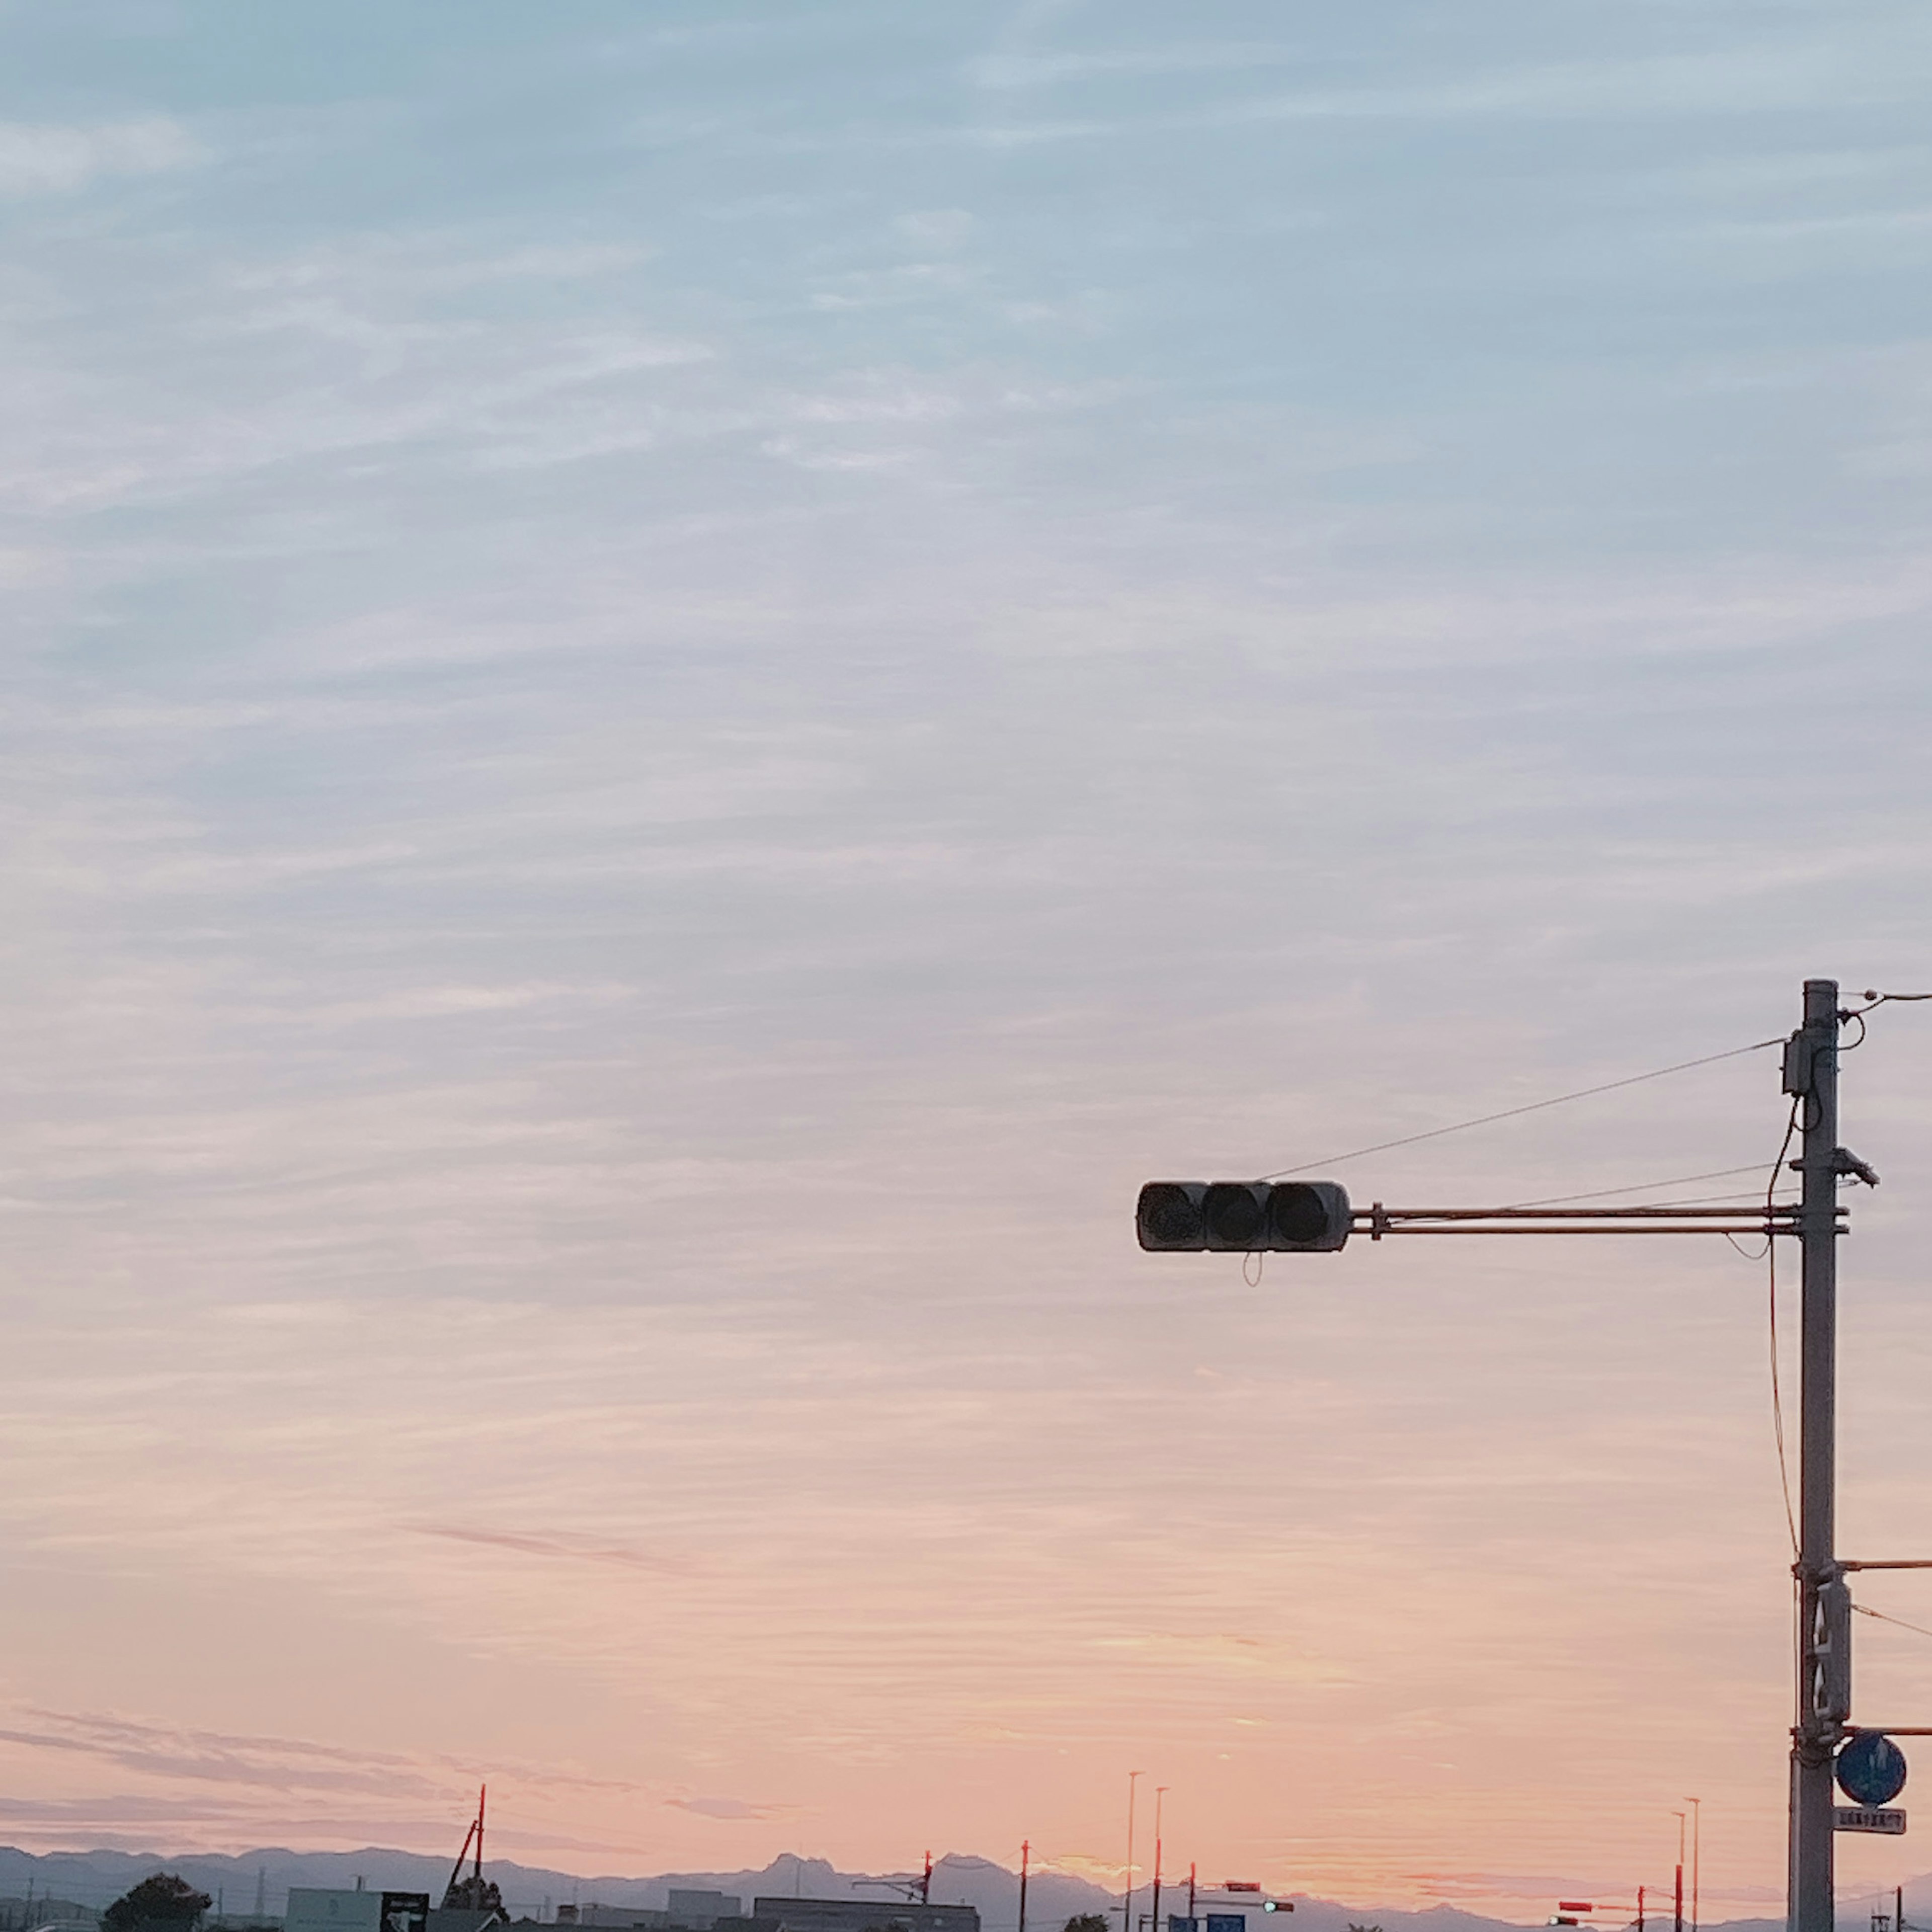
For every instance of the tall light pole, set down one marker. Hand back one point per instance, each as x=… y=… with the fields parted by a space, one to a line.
x=1127 y=1903
x=1696 y=1805
x=1026 y=1858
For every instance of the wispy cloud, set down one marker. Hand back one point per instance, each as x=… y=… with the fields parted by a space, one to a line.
x=50 y=158
x=642 y=778
x=565 y=1548
x=278 y=1764
x=728 y=1807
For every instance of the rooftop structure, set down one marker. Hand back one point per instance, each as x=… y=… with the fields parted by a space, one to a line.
x=864 y=1915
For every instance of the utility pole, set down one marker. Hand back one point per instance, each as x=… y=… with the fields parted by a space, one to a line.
x=1811 y=1078
x=1696 y=1805
x=1127 y=1903
x=1679 y=1921
x=1190 y=1899
x=1160 y=1793
x=1026 y=1854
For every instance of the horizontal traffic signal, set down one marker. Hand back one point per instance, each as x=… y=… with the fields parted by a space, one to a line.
x=1242 y=1216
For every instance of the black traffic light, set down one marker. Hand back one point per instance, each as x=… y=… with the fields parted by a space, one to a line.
x=1830 y=1652
x=1242 y=1217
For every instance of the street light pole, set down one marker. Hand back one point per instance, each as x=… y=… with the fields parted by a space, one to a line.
x=1812 y=1078
x=1127 y=1903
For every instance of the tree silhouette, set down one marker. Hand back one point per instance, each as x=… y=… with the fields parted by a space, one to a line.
x=161 y=1901
x=472 y=1893
x=1087 y=1922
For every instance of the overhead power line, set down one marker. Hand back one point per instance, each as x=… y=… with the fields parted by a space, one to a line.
x=1881 y=1617
x=1531 y=1107
x=1645 y=1186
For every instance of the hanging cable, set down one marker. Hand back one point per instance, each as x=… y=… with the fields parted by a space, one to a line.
x=1511 y=1113
x=1873 y=999
x=1777 y=1397
x=1879 y=1616
x=1644 y=1187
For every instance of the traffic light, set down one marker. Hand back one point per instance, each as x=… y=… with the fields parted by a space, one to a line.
x=1242 y=1216
x=1831 y=1647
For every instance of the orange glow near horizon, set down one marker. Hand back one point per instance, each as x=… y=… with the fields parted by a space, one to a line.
x=694 y=1594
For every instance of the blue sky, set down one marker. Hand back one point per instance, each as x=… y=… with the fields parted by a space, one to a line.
x=684 y=681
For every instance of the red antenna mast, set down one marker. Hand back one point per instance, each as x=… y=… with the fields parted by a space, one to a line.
x=454 y=1892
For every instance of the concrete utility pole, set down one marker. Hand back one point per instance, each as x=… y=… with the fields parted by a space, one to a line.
x=1811 y=1077
x=1678 y=1920
x=1154 y=1911
x=1696 y=1805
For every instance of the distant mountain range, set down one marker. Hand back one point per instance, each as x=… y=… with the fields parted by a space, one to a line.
x=95 y=1878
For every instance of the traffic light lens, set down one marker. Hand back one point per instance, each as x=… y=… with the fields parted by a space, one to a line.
x=1298 y=1212
x=1168 y=1217
x=1233 y=1215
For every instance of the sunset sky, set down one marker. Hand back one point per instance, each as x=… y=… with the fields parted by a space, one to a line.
x=684 y=680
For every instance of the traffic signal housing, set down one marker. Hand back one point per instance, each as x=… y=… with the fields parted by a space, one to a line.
x=1242 y=1217
x=1830 y=1662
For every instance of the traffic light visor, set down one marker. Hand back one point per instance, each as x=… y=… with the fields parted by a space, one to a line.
x=1168 y=1216
x=1234 y=1213
x=1299 y=1212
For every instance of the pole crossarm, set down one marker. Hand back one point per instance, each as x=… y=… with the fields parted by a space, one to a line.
x=1885 y=1563
x=1378 y=1221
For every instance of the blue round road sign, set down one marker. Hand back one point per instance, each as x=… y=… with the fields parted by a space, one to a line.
x=1871 y=1769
